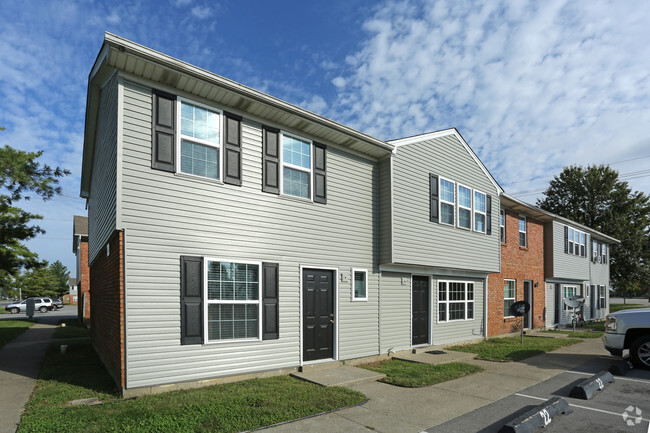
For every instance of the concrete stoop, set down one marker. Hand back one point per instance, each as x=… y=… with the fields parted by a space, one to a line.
x=434 y=355
x=343 y=375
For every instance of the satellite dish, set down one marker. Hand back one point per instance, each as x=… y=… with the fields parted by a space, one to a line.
x=519 y=308
x=574 y=301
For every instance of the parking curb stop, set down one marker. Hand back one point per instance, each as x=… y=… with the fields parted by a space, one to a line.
x=539 y=416
x=586 y=388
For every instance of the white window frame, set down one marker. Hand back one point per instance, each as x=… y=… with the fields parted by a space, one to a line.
x=354 y=297
x=583 y=244
x=479 y=212
x=504 y=295
x=594 y=252
x=502 y=225
x=447 y=301
x=603 y=254
x=283 y=164
x=180 y=137
x=565 y=288
x=571 y=244
x=230 y=302
x=441 y=201
x=459 y=206
x=525 y=232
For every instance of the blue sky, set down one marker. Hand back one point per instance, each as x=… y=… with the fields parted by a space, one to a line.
x=532 y=86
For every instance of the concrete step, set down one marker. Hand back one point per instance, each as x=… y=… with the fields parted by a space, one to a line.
x=320 y=366
x=343 y=376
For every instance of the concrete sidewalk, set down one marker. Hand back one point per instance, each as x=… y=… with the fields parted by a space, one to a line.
x=394 y=409
x=20 y=362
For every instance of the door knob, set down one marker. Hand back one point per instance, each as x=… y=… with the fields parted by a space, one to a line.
x=332 y=321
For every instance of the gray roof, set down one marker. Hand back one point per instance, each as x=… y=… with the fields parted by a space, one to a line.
x=79 y=228
x=72 y=282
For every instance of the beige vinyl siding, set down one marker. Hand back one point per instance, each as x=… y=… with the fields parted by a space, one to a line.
x=599 y=273
x=567 y=265
x=385 y=211
x=395 y=311
x=418 y=241
x=103 y=186
x=459 y=330
x=167 y=215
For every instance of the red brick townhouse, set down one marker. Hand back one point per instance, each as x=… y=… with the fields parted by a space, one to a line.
x=80 y=249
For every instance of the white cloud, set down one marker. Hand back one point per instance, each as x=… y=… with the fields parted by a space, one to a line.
x=315 y=104
x=531 y=85
x=113 y=18
x=202 y=12
x=179 y=3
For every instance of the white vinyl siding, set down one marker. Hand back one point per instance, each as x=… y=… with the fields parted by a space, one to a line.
x=559 y=265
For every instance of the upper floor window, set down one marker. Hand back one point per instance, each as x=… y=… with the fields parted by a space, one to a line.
x=199 y=140
x=296 y=166
x=576 y=242
x=479 y=211
x=464 y=207
x=603 y=253
x=502 y=225
x=594 y=251
x=522 y=232
x=447 y=201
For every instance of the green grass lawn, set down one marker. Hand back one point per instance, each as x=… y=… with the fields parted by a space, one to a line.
x=511 y=349
x=417 y=374
x=10 y=329
x=618 y=307
x=72 y=329
x=597 y=326
x=223 y=408
x=577 y=334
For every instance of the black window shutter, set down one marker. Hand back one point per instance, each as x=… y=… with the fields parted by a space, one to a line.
x=232 y=149
x=566 y=239
x=270 y=316
x=558 y=303
x=191 y=300
x=163 y=142
x=320 y=180
x=488 y=214
x=433 y=198
x=270 y=160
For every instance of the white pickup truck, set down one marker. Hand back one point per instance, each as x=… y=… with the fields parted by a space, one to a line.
x=629 y=329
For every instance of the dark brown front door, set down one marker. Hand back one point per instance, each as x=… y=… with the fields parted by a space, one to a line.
x=420 y=310
x=318 y=314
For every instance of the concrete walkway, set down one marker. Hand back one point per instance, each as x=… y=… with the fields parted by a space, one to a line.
x=394 y=409
x=20 y=363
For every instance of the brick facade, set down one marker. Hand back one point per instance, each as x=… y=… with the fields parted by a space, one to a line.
x=83 y=285
x=107 y=303
x=518 y=264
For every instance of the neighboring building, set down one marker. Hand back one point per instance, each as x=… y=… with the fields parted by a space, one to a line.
x=80 y=250
x=521 y=231
x=71 y=297
x=437 y=242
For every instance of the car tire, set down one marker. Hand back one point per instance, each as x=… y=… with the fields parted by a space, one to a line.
x=640 y=352
x=43 y=309
x=15 y=310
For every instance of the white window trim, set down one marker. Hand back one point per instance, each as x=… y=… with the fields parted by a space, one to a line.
x=447 y=301
x=564 y=295
x=354 y=298
x=459 y=206
x=474 y=192
x=502 y=212
x=208 y=302
x=504 y=296
x=603 y=254
x=583 y=244
x=524 y=232
x=441 y=201
x=601 y=297
x=180 y=137
x=296 y=167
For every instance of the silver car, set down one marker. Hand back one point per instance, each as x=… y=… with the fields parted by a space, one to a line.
x=41 y=304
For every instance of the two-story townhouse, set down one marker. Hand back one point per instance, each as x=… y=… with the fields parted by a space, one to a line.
x=230 y=233
x=576 y=263
x=521 y=231
x=437 y=242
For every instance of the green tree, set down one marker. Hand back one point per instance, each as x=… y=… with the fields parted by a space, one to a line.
x=595 y=196
x=21 y=175
x=61 y=275
x=38 y=281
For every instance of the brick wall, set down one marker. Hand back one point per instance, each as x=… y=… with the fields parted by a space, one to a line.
x=83 y=285
x=107 y=303
x=518 y=264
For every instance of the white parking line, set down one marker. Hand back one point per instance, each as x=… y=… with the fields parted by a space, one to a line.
x=615 y=377
x=579 y=406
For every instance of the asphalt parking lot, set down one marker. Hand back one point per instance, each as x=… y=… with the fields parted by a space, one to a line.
x=603 y=413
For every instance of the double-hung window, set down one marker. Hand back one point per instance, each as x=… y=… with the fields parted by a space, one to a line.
x=200 y=140
x=603 y=253
x=571 y=243
x=502 y=225
x=479 y=211
x=601 y=298
x=464 y=207
x=594 y=251
x=509 y=294
x=522 y=232
x=296 y=165
x=360 y=285
x=583 y=244
x=447 y=201
x=455 y=301
x=232 y=293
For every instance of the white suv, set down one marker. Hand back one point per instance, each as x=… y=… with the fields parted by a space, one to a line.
x=41 y=304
